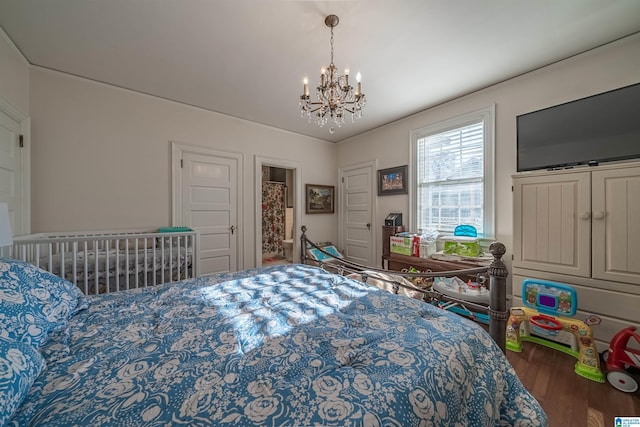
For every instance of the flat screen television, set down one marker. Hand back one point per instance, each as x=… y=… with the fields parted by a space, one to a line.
x=593 y=130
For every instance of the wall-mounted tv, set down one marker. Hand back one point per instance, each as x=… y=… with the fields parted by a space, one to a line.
x=593 y=130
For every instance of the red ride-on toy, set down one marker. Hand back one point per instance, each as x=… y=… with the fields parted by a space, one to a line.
x=621 y=358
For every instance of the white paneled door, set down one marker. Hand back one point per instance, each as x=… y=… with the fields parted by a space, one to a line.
x=209 y=204
x=357 y=213
x=11 y=185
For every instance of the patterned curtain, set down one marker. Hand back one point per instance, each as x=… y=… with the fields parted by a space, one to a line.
x=272 y=217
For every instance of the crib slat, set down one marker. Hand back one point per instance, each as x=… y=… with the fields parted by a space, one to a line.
x=50 y=254
x=126 y=263
x=74 y=262
x=104 y=246
x=178 y=259
x=96 y=275
x=117 y=252
x=162 y=259
x=61 y=253
x=86 y=269
x=137 y=264
x=146 y=262
x=170 y=258
x=154 y=276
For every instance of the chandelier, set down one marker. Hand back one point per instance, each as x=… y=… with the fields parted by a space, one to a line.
x=335 y=95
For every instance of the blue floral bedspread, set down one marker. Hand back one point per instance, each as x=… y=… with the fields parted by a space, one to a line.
x=280 y=346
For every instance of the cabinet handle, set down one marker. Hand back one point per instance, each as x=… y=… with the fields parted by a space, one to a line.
x=585 y=215
x=598 y=215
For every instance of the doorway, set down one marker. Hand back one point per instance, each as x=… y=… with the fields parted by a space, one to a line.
x=278 y=212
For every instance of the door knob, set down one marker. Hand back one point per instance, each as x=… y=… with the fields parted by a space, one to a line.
x=233 y=228
x=369 y=225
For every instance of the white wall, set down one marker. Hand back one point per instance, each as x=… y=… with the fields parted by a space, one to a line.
x=14 y=76
x=602 y=69
x=101 y=157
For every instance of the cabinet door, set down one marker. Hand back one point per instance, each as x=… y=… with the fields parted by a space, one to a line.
x=552 y=225
x=616 y=225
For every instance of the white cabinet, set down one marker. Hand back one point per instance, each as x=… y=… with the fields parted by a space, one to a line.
x=552 y=225
x=579 y=223
x=582 y=227
x=615 y=212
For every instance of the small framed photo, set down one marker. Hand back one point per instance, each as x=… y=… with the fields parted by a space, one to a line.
x=392 y=181
x=320 y=198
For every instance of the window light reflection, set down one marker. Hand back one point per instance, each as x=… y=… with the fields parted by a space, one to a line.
x=263 y=309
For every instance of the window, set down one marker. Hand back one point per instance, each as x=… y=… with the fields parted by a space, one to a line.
x=453 y=174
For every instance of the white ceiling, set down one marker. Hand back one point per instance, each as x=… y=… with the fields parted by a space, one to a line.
x=247 y=58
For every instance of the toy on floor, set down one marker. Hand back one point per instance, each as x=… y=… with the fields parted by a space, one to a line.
x=545 y=320
x=621 y=357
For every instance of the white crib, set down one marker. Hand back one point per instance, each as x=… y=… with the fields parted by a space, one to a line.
x=108 y=261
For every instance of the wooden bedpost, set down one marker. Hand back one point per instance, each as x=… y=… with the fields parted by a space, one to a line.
x=498 y=295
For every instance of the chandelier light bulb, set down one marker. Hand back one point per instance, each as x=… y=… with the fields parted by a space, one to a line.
x=335 y=96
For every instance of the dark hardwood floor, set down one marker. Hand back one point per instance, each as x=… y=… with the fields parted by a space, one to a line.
x=567 y=398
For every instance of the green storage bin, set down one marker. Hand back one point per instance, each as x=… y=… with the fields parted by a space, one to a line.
x=462 y=246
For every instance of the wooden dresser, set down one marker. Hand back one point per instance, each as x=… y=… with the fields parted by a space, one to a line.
x=398 y=262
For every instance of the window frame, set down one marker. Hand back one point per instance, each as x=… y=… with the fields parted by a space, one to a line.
x=487 y=115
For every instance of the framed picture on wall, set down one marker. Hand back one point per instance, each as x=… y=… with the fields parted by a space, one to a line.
x=319 y=198
x=392 y=181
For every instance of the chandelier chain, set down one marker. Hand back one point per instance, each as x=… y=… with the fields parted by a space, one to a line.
x=332 y=45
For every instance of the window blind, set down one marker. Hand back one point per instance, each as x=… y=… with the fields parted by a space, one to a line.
x=450 y=178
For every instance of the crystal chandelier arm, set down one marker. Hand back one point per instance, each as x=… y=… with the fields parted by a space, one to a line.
x=306 y=105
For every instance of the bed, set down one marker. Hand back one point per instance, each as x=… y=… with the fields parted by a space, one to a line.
x=109 y=261
x=287 y=345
